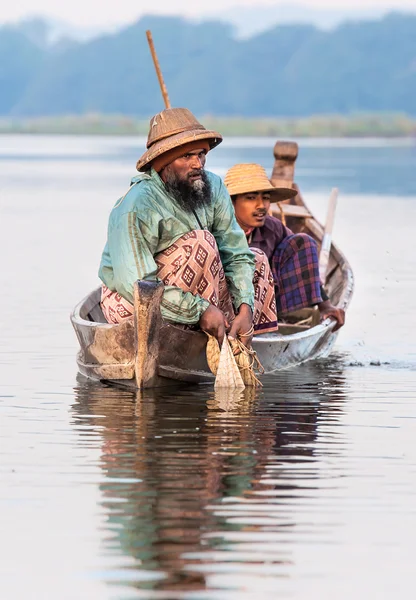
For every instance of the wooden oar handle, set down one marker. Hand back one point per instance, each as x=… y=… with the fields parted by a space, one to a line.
x=327 y=237
x=158 y=70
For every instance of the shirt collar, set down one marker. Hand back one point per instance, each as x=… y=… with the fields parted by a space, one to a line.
x=139 y=177
x=257 y=235
x=152 y=174
x=155 y=177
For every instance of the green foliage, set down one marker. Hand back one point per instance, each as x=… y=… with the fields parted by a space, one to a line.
x=290 y=71
x=360 y=125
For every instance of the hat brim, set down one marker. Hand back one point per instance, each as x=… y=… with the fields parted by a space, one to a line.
x=277 y=194
x=281 y=193
x=174 y=141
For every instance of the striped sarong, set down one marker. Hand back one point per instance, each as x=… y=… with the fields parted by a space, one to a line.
x=193 y=264
x=295 y=268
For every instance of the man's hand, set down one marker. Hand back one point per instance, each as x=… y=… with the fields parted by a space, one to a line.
x=243 y=324
x=327 y=310
x=214 y=322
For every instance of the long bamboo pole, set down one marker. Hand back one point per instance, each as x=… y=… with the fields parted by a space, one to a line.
x=327 y=238
x=158 y=70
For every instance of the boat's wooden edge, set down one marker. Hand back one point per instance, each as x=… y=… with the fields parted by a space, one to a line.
x=267 y=338
x=106 y=350
x=84 y=307
x=339 y=280
x=109 y=371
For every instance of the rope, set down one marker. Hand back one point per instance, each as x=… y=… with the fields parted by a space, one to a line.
x=254 y=365
x=282 y=215
x=248 y=333
x=307 y=321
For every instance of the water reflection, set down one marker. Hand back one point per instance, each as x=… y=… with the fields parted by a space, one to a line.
x=199 y=486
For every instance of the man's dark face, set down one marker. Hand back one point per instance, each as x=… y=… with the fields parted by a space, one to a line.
x=187 y=181
x=187 y=167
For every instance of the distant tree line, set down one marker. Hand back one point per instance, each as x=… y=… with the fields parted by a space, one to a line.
x=359 y=125
x=289 y=71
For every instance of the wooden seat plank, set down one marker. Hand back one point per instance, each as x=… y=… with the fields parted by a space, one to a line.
x=291 y=210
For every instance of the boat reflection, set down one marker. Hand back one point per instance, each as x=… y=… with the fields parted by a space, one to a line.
x=199 y=485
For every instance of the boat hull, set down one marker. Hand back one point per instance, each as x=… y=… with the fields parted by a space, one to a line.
x=108 y=352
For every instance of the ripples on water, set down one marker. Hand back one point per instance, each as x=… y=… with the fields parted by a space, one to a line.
x=198 y=485
x=225 y=496
x=305 y=489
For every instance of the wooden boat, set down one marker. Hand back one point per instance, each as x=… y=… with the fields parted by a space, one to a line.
x=149 y=352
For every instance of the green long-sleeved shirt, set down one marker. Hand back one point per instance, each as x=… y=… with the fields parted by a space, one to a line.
x=147 y=220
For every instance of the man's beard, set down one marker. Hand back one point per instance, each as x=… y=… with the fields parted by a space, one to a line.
x=187 y=195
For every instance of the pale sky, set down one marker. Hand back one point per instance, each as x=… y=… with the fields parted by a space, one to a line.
x=98 y=13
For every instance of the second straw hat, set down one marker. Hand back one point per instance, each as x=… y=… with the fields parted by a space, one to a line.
x=250 y=177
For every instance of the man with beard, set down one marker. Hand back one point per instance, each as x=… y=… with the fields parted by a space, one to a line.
x=176 y=224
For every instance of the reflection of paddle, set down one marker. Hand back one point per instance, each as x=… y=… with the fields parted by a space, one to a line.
x=326 y=240
x=157 y=67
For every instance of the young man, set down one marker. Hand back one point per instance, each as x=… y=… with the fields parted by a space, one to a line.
x=176 y=224
x=293 y=257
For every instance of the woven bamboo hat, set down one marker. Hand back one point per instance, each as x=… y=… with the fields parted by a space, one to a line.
x=171 y=128
x=245 y=178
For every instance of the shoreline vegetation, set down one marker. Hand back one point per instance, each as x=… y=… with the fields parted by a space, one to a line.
x=358 y=125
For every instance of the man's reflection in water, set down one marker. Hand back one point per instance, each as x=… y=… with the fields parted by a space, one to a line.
x=188 y=470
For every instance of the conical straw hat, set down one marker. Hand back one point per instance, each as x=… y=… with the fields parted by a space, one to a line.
x=250 y=177
x=171 y=128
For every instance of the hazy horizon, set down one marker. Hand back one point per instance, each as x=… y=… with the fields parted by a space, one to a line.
x=99 y=16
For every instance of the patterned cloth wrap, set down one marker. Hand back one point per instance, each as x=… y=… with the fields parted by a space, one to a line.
x=193 y=263
x=296 y=273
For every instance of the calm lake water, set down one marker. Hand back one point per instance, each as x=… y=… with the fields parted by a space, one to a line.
x=305 y=489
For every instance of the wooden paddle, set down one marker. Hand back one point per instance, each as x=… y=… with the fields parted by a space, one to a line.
x=158 y=70
x=327 y=238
